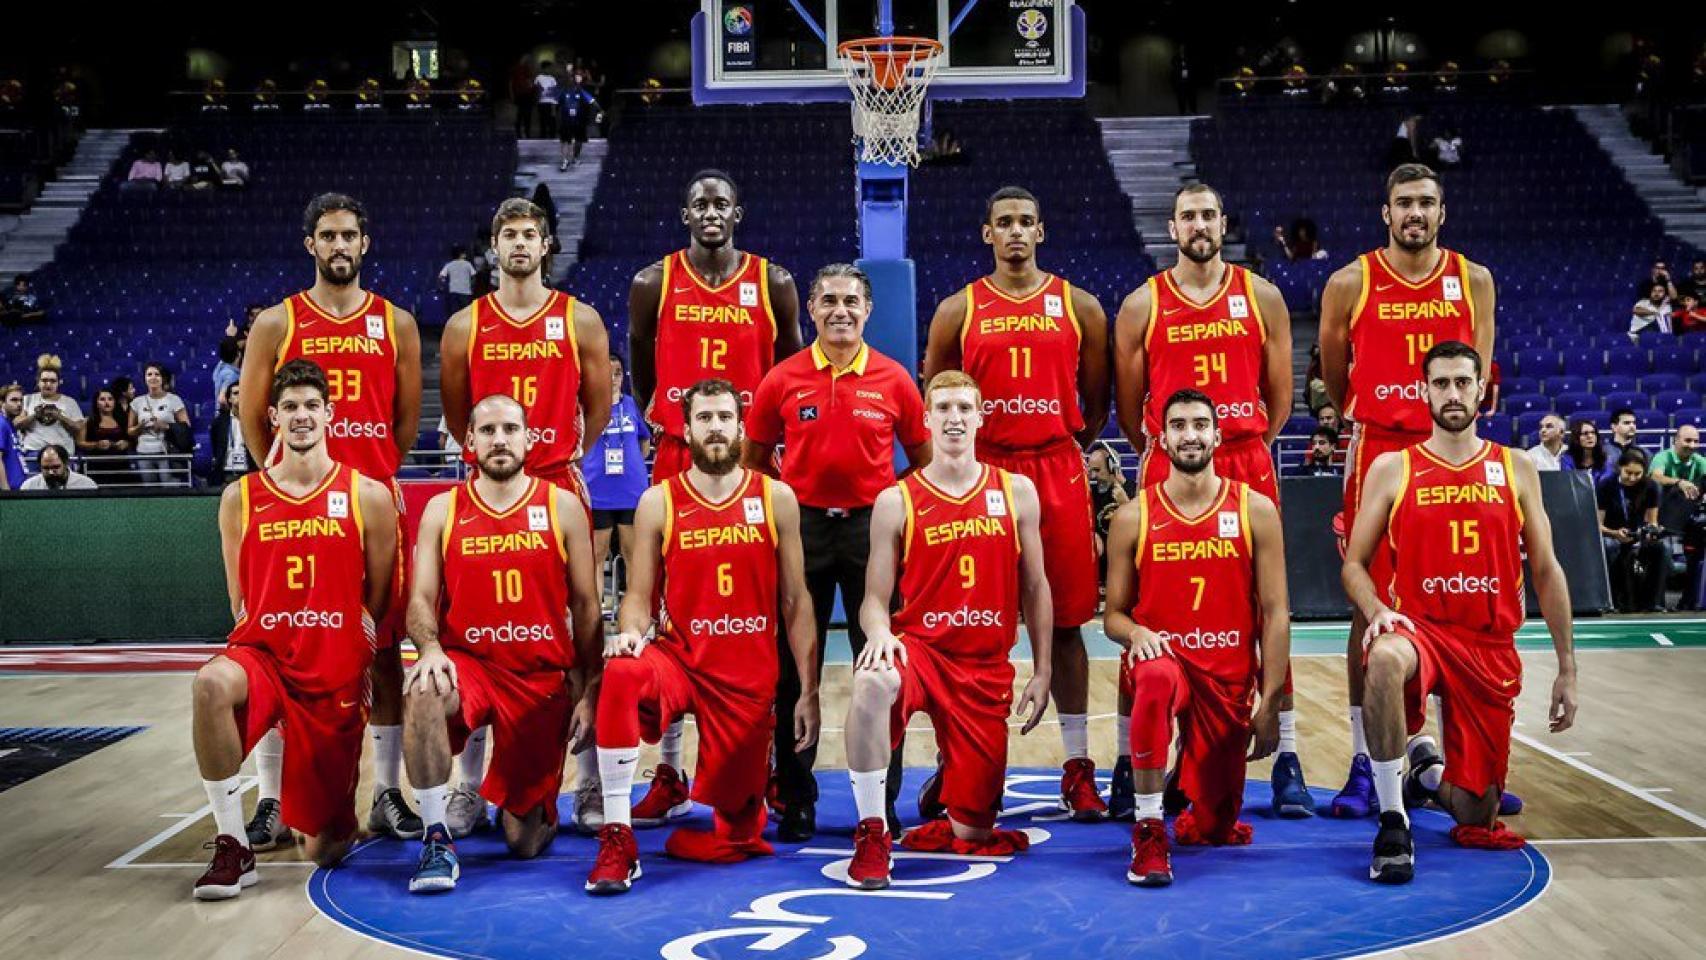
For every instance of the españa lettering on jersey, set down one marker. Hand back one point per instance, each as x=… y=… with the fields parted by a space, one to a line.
x=1218 y=346
x=1196 y=580
x=726 y=331
x=959 y=572
x=537 y=361
x=506 y=580
x=358 y=353
x=1394 y=325
x=1023 y=352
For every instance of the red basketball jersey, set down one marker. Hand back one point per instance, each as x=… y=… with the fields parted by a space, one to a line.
x=359 y=354
x=538 y=362
x=302 y=569
x=506 y=579
x=959 y=567
x=720 y=571
x=1395 y=324
x=1196 y=580
x=1216 y=346
x=1456 y=532
x=1023 y=353
x=726 y=332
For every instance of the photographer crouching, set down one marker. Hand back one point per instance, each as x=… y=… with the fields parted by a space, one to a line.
x=1635 y=551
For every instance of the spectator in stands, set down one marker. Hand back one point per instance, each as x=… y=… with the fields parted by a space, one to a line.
x=1300 y=241
x=228 y=370
x=615 y=469
x=1639 y=560
x=1659 y=274
x=145 y=173
x=944 y=150
x=1549 y=452
x=177 y=171
x=1651 y=310
x=1688 y=317
x=1585 y=452
x=1319 y=461
x=457 y=280
x=543 y=200
x=1448 y=149
x=22 y=305
x=545 y=95
x=1623 y=428
x=204 y=173
x=1406 y=145
x=1695 y=283
x=49 y=416
x=152 y=417
x=577 y=111
x=230 y=458
x=1681 y=466
x=1490 y=399
x=1316 y=382
x=234 y=171
x=1328 y=416
x=11 y=461
x=1109 y=490
x=104 y=442
x=125 y=388
x=56 y=473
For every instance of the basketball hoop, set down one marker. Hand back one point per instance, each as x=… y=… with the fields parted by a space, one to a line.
x=888 y=77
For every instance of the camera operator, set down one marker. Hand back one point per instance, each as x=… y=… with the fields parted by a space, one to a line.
x=1635 y=551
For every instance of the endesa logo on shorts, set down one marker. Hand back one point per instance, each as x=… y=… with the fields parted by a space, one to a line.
x=1401 y=391
x=1200 y=639
x=537 y=435
x=1459 y=584
x=510 y=633
x=303 y=620
x=1021 y=406
x=964 y=617
x=727 y=626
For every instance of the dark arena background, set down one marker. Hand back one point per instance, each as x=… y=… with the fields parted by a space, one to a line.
x=154 y=168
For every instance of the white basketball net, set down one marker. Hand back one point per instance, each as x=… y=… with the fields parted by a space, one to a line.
x=888 y=96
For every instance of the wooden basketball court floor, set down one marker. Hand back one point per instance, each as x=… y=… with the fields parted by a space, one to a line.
x=100 y=853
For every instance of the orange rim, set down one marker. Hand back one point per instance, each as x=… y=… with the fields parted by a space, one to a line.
x=889 y=59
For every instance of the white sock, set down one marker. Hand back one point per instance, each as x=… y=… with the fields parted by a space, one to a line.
x=1288 y=731
x=1075 y=733
x=1149 y=806
x=616 y=770
x=670 y=745
x=870 y=792
x=1122 y=735
x=226 y=798
x=1389 y=786
x=472 y=761
x=269 y=762
x=1359 y=740
x=387 y=756
x=434 y=802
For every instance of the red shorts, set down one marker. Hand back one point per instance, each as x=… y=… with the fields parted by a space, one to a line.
x=670 y=457
x=529 y=716
x=323 y=738
x=1247 y=460
x=735 y=726
x=968 y=703
x=391 y=630
x=1368 y=443
x=1214 y=733
x=1478 y=679
x=1067 y=524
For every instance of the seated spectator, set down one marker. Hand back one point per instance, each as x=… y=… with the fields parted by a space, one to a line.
x=22 y=305
x=1688 y=317
x=145 y=173
x=204 y=173
x=177 y=171
x=1323 y=443
x=56 y=473
x=1650 y=311
x=1328 y=416
x=105 y=442
x=1300 y=241
x=1660 y=274
x=1448 y=149
x=457 y=279
x=230 y=367
x=49 y=416
x=11 y=461
x=1109 y=490
x=1681 y=465
x=1315 y=381
x=234 y=171
x=944 y=149
x=152 y=418
x=1694 y=283
x=1623 y=427
x=1636 y=555
x=1549 y=452
x=1583 y=451
x=230 y=456
x=125 y=389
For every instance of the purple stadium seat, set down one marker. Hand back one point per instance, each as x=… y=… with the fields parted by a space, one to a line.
x=1670 y=401
x=1690 y=415
x=1523 y=404
x=1655 y=382
x=1569 y=404
x=1676 y=358
x=1614 y=382
x=1553 y=386
x=1633 y=399
x=1582 y=362
x=1537 y=363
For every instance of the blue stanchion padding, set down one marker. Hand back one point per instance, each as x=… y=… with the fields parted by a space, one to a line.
x=1301 y=890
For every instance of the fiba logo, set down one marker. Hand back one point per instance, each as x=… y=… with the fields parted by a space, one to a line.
x=1032 y=25
x=737 y=21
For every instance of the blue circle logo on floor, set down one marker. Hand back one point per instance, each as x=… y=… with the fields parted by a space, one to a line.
x=1301 y=890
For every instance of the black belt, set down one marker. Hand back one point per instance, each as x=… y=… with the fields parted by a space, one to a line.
x=838 y=513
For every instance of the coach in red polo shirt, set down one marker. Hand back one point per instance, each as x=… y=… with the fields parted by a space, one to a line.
x=837 y=410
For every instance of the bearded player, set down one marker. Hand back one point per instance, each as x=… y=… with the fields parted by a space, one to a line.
x=370 y=351
x=1459 y=514
x=1197 y=596
x=1379 y=317
x=963 y=537
x=1037 y=347
x=309 y=546
x=512 y=554
x=726 y=542
x=1209 y=326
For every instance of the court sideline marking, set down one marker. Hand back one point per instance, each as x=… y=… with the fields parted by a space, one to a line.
x=1617 y=782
